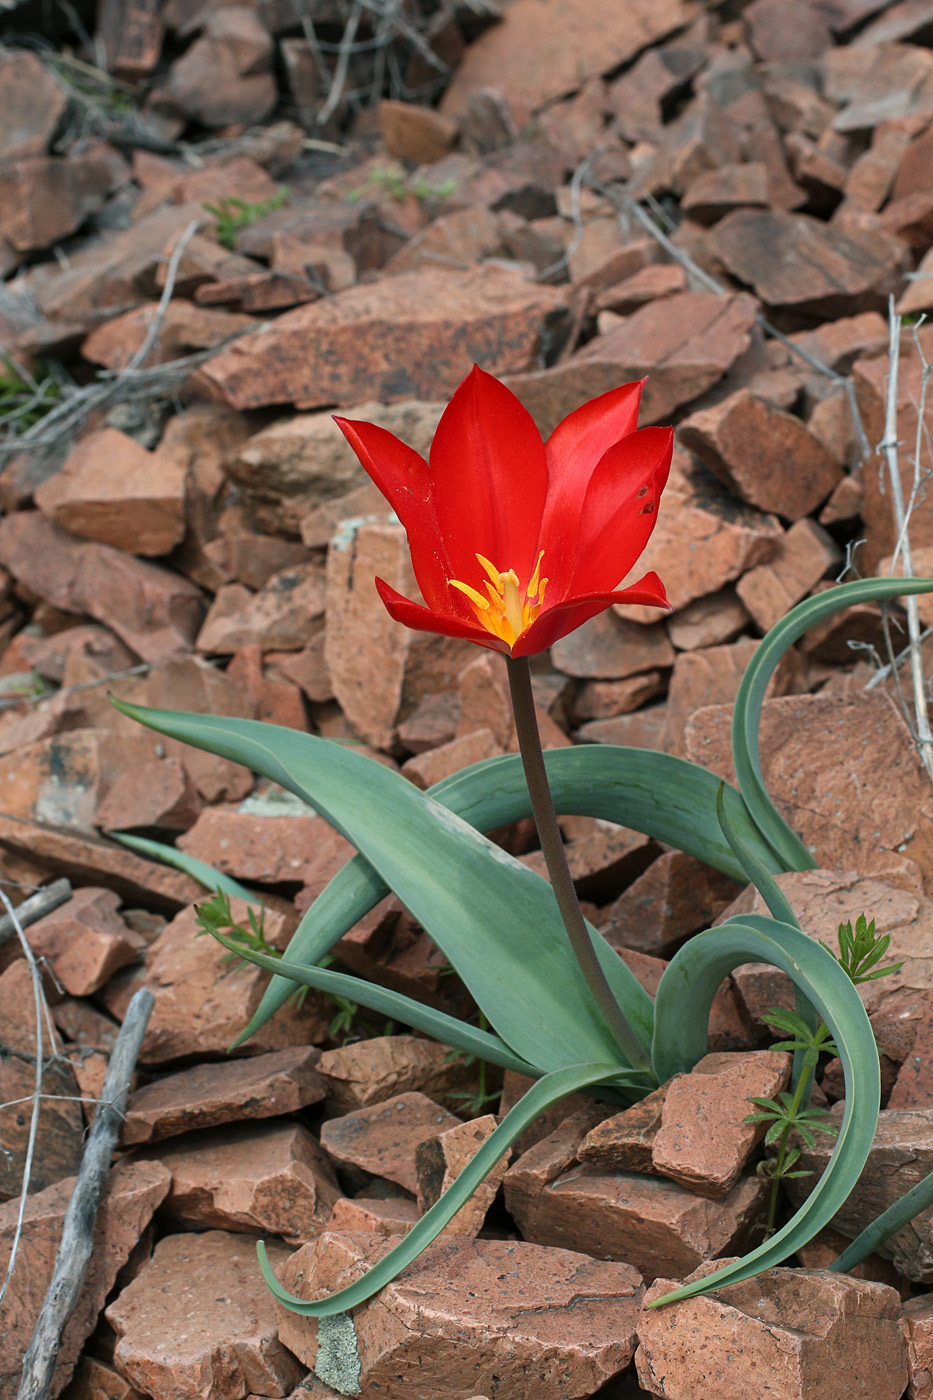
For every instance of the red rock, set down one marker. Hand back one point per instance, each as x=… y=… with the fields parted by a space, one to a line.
x=301 y=468
x=643 y=730
x=383 y=1137
x=808 y=760
x=915 y=1325
x=464 y=236
x=684 y=344
x=415 y=133
x=896 y=82
x=805 y=554
x=277 y=701
x=131 y=36
x=59 y=1144
x=188 y=683
x=340 y=350
x=712 y=676
x=395 y=1216
x=270 y=1178
x=913 y=1088
x=198 y=1321
x=767 y=457
x=112 y=490
x=603 y=254
x=651 y=283
x=364 y=650
x=44 y=198
x=703 y=1141
x=131 y=1194
x=715 y=193
x=787 y=1334
x=85 y=941
x=872 y=175
x=623 y=1142
x=599 y=700
x=838 y=344
x=440 y=1160
x=645 y=1220
x=609 y=648
x=267 y=849
x=919 y=293
x=912 y=172
x=225 y=76
x=796 y=261
x=33 y=105
x=183 y=329
x=656 y=75
x=252 y=559
x=208 y=1095
x=152 y=610
x=201 y=1005
x=432 y=723
x=504 y=1315
x=778 y=31
x=367 y=1072
x=95 y=1380
x=708 y=621
x=157 y=795
x=283 y=616
x=677 y=895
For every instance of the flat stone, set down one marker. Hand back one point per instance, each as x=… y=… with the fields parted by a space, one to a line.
x=913 y=1087
x=88 y=859
x=897 y=83
x=785 y=1334
x=647 y=1221
x=548 y=52
x=497 y=1314
x=426 y=769
x=796 y=31
x=85 y=941
x=684 y=344
x=208 y=1095
x=609 y=648
x=704 y=538
x=190 y=683
x=382 y=1138
x=33 y=105
x=267 y=849
x=873 y=823
x=769 y=458
x=367 y=1072
x=202 y=1004
x=198 y=1323
x=916 y=1323
x=440 y=1160
x=365 y=651
x=709 y=621
x=623 y=1142
x=649 y=284
x=270 y=1178
x=131 y=1194
x=225 y=77
x=44 y=198
x=373 y=1216
x=155 y=796
x=152 y=610
x=183 y=328
x=95 y=1380
x=300 y=468
x=59 y=1145
x=283 y=616
x=805 y=554
x=677 y=895
x=712 y=676
x=402 y=337
x=793 y=260
x=703 y=1141
x=642 y=730
x=599 y=700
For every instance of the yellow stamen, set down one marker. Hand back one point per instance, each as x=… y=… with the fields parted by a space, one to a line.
x=510 y=609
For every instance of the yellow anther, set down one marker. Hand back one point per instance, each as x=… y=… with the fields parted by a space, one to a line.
x=510 y=610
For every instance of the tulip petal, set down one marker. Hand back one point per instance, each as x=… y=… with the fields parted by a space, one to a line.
x=402 y=477
x=420 y=619
x=489 y=480
x=564 y=617
x=574 y=450
x=620 y=510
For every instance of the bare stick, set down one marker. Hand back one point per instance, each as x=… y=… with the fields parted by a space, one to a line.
x=74 y=1252
x=36 y=907
x=889 y=446
x=40 y=1009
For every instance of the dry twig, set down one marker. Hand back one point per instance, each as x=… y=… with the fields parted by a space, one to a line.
x=77 y=1240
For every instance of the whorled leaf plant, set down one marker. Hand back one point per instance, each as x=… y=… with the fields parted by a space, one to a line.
x=566 y=518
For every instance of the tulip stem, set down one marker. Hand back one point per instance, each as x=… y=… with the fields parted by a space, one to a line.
x=552 y=846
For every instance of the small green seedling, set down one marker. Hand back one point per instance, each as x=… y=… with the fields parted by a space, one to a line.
x=235 y=214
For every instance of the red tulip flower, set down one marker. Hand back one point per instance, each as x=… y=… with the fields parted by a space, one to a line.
x=515 y=542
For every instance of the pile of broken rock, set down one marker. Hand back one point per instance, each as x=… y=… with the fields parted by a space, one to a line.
x=211 y=546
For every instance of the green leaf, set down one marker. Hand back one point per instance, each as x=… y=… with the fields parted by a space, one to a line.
x=210 y=878
x=540 y=1096
x=665 y=797
x=682 y=1005
x=751 y=694
x=495 y=919
x=902 y=1212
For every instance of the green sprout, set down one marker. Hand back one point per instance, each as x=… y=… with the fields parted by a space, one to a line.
x=25 y=399
x=235 y=214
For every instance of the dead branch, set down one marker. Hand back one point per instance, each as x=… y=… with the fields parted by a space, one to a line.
x=889 y=446
x=36 y=907
x=74 y=1252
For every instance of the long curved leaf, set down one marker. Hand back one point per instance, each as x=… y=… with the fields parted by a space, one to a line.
x=751 y=693
x=496 y=920
x=901 y=1213
x=209 y=876
x=546 y=1091
x=665 y=797
x=682 y=1005
x=385 y=1002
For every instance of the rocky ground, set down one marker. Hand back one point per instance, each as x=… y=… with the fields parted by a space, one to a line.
x=219 y=221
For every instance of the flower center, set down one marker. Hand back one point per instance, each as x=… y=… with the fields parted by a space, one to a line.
x=508 y=609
